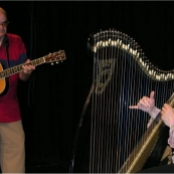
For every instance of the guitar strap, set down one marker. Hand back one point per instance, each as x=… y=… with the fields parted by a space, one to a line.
x=6 y=44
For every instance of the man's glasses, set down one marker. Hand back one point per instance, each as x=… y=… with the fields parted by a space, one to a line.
x=4 y=24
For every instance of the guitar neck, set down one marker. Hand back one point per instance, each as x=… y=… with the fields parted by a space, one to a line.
x=16 y=69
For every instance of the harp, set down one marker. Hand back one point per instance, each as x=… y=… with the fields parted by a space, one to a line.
x=119 y=139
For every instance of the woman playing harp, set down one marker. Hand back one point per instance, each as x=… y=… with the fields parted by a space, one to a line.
x=147 y=104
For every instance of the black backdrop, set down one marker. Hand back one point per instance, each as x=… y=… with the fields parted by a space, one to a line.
x=52 y=100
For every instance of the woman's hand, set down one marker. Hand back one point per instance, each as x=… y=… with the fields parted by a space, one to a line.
x=167 y=115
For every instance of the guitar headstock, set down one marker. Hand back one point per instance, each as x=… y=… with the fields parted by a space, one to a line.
x=56 y=57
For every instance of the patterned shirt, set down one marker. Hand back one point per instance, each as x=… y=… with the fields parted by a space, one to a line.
x=171 y=135
x=171 y=130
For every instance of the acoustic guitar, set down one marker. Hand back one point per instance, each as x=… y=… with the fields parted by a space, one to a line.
x=56 y=57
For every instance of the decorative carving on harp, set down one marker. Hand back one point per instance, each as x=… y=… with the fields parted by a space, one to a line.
x=119 y=139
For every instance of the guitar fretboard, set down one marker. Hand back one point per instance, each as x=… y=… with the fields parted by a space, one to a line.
x=15 y=69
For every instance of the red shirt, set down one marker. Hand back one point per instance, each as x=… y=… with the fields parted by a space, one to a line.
x=9 y=106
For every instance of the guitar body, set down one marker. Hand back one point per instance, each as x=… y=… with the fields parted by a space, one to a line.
x=2 y=81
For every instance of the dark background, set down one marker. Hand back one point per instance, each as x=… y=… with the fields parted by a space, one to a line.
x=52 y=100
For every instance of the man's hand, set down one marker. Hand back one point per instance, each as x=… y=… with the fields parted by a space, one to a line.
x=28 y=68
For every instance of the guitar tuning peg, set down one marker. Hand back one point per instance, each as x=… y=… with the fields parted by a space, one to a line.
x=52 y=63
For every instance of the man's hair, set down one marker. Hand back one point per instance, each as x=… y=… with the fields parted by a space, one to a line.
x=2 y=10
